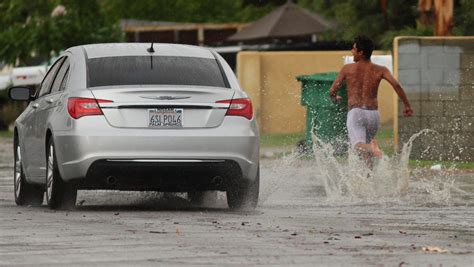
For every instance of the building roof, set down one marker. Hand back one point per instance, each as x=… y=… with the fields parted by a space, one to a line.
x=132 y=25
x=289 y=20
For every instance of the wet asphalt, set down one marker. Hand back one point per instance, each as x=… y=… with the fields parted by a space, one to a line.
x=294 y=224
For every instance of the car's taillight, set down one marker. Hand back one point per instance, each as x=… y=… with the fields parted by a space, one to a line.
x=239 y=107
x=80 y=107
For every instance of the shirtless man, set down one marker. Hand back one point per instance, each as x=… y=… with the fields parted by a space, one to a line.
x=362 y=79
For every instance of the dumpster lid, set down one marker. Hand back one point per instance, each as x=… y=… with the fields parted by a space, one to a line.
x=325 y=76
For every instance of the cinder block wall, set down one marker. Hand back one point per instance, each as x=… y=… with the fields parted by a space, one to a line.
x=438 y=77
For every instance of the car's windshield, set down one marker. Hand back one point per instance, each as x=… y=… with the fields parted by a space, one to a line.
x=154 y=70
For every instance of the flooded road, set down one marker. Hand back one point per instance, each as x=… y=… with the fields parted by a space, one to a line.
x=299 y=221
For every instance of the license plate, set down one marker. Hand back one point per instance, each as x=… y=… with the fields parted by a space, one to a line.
x=165 y=118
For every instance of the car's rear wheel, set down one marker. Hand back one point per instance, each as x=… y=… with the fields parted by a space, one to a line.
x=25 y=193
x=243 y=194
x=59 y=194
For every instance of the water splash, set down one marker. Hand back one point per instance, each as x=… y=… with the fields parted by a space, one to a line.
x=348 y=180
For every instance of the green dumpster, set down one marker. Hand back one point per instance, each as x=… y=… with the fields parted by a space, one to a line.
x=324 y=118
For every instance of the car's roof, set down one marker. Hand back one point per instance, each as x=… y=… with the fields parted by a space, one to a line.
x=140 y=49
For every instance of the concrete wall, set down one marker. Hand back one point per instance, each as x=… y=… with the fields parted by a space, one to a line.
x=269 y=79
x=438 y=77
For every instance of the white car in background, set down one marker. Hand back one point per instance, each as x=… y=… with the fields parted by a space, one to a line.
x=5 y=82
x=21 y=76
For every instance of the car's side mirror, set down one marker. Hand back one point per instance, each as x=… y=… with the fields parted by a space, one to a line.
x=20 y=93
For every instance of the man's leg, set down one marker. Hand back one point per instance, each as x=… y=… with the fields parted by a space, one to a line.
x=367 y=152
x=375 y=149
x=370 y=149
x=373 y=125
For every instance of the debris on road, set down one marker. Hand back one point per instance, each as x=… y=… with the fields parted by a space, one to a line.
x=434 y=249
x=436 y=167
x=157 y=232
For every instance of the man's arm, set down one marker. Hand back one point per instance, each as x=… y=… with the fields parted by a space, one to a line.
x=399 y=90
x=336 y=84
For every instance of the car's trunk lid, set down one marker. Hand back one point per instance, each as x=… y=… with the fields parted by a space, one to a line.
x=163 y=106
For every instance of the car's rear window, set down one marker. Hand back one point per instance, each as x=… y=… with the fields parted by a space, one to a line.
x=154 y=70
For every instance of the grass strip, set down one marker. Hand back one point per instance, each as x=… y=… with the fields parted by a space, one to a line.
x=6 y=134
x=280 y=140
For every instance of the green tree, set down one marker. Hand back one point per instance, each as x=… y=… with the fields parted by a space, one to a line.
x=367 y=17
x=33 y=32
x=198 y=11
x=16 y=18
x=464 y=18
x=354 y=17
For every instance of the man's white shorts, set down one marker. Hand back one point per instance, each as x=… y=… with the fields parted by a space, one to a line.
x=362 y=125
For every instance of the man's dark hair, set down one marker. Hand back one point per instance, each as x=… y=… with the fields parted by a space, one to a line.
x=364 y=44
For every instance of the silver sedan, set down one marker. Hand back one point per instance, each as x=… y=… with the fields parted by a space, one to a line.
x=130 y=116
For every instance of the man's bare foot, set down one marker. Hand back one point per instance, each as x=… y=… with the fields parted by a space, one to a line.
x=375 y=149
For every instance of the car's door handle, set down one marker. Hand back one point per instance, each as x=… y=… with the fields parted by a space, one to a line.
x=50 y=100
x=35 y=105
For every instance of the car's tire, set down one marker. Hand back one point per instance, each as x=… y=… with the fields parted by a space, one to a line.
x=25 y=194
x=59 y=194
x=243 y=194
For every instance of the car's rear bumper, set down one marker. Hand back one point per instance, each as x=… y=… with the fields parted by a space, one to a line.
x=80 y=148
x=174 y=176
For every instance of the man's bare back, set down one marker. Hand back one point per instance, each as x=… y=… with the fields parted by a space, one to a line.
x=363 y=79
